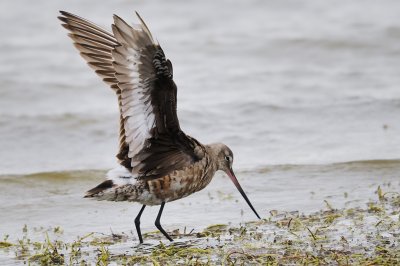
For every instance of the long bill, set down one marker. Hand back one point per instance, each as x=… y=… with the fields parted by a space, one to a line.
x=236 y=182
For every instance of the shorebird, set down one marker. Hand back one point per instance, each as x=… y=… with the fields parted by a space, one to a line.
x=159 y=163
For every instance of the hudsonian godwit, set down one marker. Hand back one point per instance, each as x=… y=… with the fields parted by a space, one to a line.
x=159 y=163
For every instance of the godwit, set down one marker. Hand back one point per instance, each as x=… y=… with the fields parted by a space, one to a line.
x=159 y=163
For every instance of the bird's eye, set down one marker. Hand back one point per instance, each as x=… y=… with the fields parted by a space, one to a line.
x=227 y=158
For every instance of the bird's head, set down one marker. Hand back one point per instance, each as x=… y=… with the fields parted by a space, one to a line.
x=224 y=157
x=224 y=160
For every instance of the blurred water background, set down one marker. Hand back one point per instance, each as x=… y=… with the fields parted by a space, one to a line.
x=306 y=93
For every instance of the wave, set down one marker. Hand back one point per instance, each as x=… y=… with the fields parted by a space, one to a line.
x=96 y=174
x=69 y=175
x=360 y=165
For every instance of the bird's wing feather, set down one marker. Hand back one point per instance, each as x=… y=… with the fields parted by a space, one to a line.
x=134 y=65
x=94 y=44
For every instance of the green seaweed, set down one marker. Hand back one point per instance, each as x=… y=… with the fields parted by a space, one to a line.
x=5 y=244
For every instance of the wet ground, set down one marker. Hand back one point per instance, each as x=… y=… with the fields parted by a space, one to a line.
x=366 y=235
x=338 y=194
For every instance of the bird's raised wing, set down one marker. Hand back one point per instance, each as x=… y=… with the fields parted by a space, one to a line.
x=94 y=44
x=134 y=65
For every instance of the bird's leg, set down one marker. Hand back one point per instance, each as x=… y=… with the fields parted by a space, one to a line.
x=137 y=224
x=158 y=225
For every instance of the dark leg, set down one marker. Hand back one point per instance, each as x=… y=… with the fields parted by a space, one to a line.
x=137 y=224
x=158 y=225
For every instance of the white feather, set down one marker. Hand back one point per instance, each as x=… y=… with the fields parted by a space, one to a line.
x=121 y=176
x=136 y=108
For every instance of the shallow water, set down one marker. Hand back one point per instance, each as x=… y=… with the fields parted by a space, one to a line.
x=305 y=93
x=285 y=82
x=55 y=199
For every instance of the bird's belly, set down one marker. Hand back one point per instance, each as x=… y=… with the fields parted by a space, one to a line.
x=170 y=188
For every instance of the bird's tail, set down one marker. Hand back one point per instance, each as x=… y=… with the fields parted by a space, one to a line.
x=119 y=186
x=96 y=191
